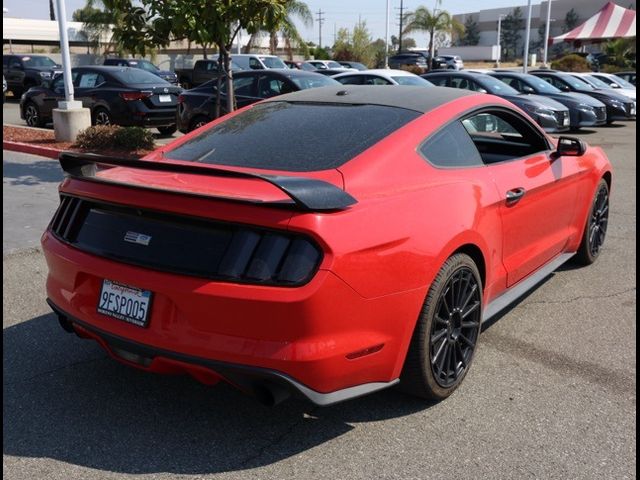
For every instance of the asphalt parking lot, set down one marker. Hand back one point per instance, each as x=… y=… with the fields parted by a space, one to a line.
x=11 y=116
x=552 y=392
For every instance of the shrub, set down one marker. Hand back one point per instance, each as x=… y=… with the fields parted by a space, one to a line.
x=412 y=68
x=571 y=63
x=113 y=137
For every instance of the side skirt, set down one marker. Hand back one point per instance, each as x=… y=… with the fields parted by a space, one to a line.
x=518 y=290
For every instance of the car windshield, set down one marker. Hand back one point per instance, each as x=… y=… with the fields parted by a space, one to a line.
x=137 y=76
x=576 y=83
x=622 y=82
x=313 y=81
x=295 y=137
x=273 y=62
x=408 y=80
x=540 y=85
x=307 y=67
x=146 y=65
x=31 y=62
x=596 y=82
x=332 y=64
x=495 y=86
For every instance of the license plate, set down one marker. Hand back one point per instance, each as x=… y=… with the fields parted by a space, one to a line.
x=124 y=302
x=165 y=98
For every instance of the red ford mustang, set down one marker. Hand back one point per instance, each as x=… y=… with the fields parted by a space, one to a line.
x=328 y=243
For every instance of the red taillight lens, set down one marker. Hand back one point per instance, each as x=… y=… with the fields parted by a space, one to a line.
x=131 y=96
x=180 y=98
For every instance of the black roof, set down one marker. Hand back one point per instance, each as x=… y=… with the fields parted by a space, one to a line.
x=457 y=73
x=419 y=99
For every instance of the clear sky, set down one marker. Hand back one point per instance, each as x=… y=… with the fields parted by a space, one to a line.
x=336 y=13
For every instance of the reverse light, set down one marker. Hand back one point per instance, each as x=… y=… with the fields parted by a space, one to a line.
x=131 y=96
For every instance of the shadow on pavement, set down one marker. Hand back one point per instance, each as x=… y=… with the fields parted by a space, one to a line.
x=31 y=173
x=65 y=399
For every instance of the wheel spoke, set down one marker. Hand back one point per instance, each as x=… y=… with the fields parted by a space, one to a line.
x=471 y=293
x=461 y=353
x=467 y=341
x=469 y=324
x=443 y=358
x=439 y=351
x=471 y=309
x=438 y=336
x=441 y=321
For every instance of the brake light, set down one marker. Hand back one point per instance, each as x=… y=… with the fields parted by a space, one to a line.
x=180 y=98
x=131 y=96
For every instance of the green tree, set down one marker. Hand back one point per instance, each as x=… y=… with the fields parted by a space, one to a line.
x=432 y=22
x=286 y=27
x=510 y=35
x=471 y=32
x=407 y=43
x=96 y=23
x=342 y=49
x=321 y=53
x=571 y=21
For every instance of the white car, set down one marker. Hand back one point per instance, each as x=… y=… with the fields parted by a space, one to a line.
x=328 y=65
x=614 y=81
x=381 y=77
x=595 y=82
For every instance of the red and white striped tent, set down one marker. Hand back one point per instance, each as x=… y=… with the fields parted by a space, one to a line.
x=612 y=21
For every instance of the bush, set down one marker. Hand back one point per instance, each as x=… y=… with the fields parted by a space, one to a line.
x=113 y=137
x=571 y=63
x=412 y=68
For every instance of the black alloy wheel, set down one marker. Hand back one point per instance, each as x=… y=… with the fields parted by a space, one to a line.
x=454 y=331
x=101 y=117
x=446 y=333
x=32 y=115
x=596 y=226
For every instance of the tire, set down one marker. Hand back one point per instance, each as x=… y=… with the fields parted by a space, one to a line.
x=32 y=115
x=442 y=349
x=198 y=121
x=170 y=130
x=101 y=116
x=595 y=229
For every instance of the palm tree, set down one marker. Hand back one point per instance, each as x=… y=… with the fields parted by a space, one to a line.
x=432 y=22
x=286 y=27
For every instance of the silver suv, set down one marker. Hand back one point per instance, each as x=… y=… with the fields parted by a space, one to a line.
x=454 y=62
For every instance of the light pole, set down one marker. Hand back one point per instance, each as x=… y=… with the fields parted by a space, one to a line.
x=546 y=35
x=500 y=17
x=527 y=35
x=69 y=118
x=386 y=39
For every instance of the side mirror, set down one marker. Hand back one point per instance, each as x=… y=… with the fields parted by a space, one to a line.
x=570 y=147
x=482 y=90
x=528 y=89
x=565 y=88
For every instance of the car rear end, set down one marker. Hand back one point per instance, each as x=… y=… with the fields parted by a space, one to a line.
x=147 y=106
x=227 y=273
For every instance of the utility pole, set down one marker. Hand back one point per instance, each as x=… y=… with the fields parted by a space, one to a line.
x=386 y=39
x=500 y=17
x=320 y=22
x=401 y=15
x=546 y=35
x=527 y=35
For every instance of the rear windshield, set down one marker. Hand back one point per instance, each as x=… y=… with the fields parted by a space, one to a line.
x=31 y=62
x=312 y=81
x=415 y=80
x=295 y=137
x=273 y=62
x=137 y=76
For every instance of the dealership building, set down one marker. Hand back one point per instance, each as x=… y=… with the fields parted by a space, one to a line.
x=487 y=20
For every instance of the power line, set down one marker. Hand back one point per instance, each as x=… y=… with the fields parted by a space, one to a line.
x=320 y=20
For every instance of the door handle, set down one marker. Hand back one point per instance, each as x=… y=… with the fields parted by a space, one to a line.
x=515 y=195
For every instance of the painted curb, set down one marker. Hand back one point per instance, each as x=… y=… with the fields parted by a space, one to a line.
x=47 y=152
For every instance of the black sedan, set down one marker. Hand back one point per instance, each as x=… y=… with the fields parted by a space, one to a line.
x=549 y=114
x=115 y=95
x=196 y=107
x=584 y=110
x=619 y=107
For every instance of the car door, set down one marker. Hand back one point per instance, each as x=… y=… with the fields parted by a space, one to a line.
x=539 y=191
x=53 y=95
x=15 y=74
x=244 y=88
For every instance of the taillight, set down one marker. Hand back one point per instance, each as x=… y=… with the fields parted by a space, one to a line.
x=131 y=96
x=180 y=98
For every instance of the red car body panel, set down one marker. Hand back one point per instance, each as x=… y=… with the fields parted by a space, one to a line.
x=379 y=256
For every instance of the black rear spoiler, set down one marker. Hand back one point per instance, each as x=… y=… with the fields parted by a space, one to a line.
x=306 y=193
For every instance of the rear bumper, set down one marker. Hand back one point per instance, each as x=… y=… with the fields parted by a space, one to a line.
x=305 y=336
x=269 y=386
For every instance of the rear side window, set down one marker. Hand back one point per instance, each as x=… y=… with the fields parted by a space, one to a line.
x=440 y=81
x=295 y=137
x=451 y=147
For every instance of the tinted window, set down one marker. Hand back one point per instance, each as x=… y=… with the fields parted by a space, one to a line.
x=439 y=81
x=412 y=80
x=312 y=81
x=371 y=80
x=540 y=85
x=270 y=87
x=242 y=86
x=351 y=80
x=148 y=66
x=136 y=76
x=273 y=62
x=88 y=80
x=495 y=86
x=297 y=137
x=451 y=147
